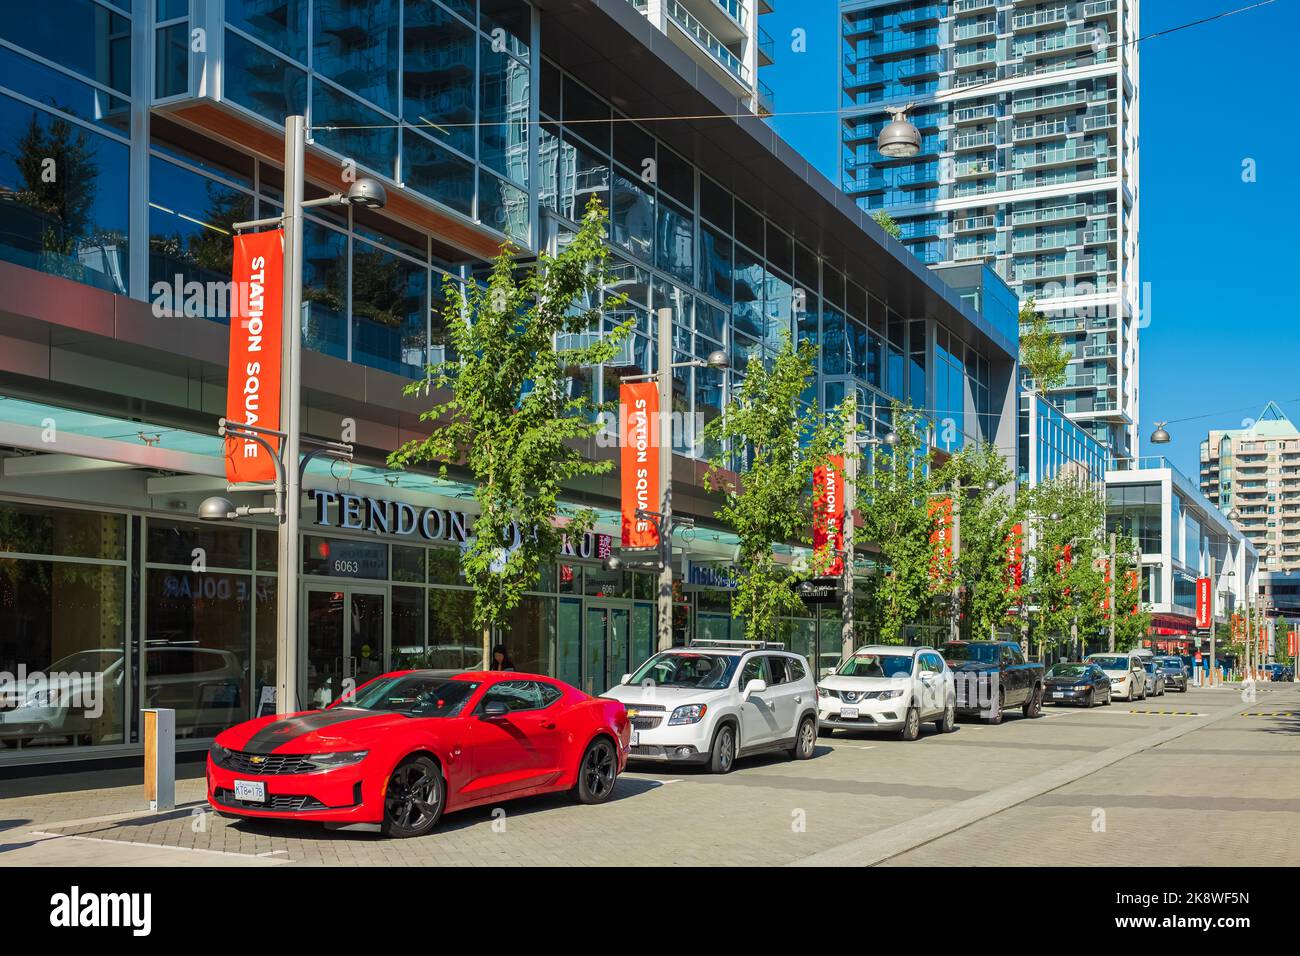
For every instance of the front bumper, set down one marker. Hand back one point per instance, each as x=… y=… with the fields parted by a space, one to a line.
x=872 y=714
x=1068 y=695
x=342 y=795
x=654 y=741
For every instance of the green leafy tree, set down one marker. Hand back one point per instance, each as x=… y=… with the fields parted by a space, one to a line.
x=886 y=222
x=510 y=417
x=778 y=441
x=988 y=513
x=893 y=500
x=1065 y=583
x=1043 y=355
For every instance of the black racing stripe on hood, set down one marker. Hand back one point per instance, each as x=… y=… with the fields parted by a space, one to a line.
x=280 y=732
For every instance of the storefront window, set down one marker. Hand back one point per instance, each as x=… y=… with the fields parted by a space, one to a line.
x=454 y=643
x=62 y=628
x=529 y=638
x=197 y=648
x=408 y=624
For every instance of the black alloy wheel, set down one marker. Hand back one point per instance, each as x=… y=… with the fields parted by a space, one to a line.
x=598 y=772
x=413 y=800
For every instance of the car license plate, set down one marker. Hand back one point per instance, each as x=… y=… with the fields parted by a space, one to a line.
x=1058 y=694
x=250 y=791
x=636 y=738
x=849 y=713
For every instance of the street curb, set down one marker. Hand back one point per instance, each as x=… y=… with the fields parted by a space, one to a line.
x=875 y=848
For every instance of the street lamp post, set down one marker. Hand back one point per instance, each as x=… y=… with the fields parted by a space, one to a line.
x=663 y=378
x=290 y=464
x=851 y=444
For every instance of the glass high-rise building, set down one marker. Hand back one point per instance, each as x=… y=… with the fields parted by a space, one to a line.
x=1028 y=113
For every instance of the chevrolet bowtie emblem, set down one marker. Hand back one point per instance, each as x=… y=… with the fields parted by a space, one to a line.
x=257 y=761
x=632 y=713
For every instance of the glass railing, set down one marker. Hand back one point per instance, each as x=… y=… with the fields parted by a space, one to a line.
x=693 y=28
x=1039 y=18
x=975 y=57
x=765 y=44
x=971 y=223
x=1050 y=100
x=1033 y=130
x=973 y=140
x=929 y=12
x=1098 y=7
x=971 y=31
x=968 y=113
x=967 y=6
x=1049 y=214
x=1063 y=154
x=1064 y=40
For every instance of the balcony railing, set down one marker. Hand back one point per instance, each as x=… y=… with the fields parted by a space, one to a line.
x=1022 y=21
x=969 y=114
x=715 y=47
x=973 y=140
x=974 y=223
x=1036 y=130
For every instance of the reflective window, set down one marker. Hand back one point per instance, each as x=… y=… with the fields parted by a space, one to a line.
x=502 y=206
x=324 y=290
x=78 y=34
x=354 y=43
x=373 y=144
x=503 y=116
x=262 y=81
x=437 y=172
x=73 y=224
x=675 y=242
x=389 y=311
x=190 y=239
x=438 y=75
x=632 y=217
x=279 y=23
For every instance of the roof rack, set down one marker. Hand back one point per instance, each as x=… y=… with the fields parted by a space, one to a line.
x=747 y=645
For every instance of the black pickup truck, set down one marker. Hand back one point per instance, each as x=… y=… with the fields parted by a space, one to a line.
x=992 y=676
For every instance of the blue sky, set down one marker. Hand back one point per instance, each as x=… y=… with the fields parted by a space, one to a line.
x=1221 y=255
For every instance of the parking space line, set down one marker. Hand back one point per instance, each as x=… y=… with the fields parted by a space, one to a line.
x=158 y=846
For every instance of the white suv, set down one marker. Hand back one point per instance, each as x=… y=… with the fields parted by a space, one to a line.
x=887 y=687
x=712 y=702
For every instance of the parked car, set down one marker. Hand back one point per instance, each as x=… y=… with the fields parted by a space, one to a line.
x=1279 y=672
x=1076 y=682
x=1175 y=672
x=1128 y=678
x=715 y=701
x=1155 y=677
x=889 y=688
x=412 y=745
x=992 y=676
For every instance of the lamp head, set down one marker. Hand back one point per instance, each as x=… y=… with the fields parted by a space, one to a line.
x=1160 y=436
x=718 y=359
x=216 y=508
x=369 y=193
x=899 y=138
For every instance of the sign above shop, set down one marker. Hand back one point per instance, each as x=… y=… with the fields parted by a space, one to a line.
x=719 y=576
x=350 y=512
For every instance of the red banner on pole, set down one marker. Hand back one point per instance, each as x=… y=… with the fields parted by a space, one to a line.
x=828 y=512
x=253 y=376
x=1204 y=604
x=941 y=556
x=1016 y=558
x=639 y=462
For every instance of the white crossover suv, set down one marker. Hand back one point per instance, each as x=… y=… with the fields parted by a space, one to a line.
x=712 y=702
x=886 y=687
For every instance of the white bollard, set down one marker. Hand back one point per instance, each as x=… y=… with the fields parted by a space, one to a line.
x=158 y=728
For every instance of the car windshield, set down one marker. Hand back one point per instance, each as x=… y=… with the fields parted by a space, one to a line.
x=1068 y=670
x=876 y=665
x=984 y=653
x=705 y=671
x=1172 y=662
x=1110 y=663
x=1150 y=666
x=418 y=695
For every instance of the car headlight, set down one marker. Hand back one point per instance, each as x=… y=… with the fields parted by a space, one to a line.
x=823 y=692
x=40 y=698
x=218 y=754
x=688 y=714
x=343 y=758
x=891 y=694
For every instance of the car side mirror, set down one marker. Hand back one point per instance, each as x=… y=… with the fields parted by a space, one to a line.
x=494 y=709
x=755 y=686
x=625 y=678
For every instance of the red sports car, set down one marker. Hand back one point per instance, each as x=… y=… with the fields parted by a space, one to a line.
x=412 y=745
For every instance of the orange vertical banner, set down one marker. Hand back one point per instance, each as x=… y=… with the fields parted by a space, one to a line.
x=253 y=376
x=941 y=557
x=639 y=462
x=828 y=512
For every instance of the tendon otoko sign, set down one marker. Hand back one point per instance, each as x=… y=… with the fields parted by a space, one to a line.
x=253 y=379
x=828 y=514
x=639 y=458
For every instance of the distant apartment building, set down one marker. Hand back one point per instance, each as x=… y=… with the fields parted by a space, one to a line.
x=724 y=37
x=1253 y=475
x=1028 y=114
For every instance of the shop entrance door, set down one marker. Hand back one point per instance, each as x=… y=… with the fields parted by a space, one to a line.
x=606 y=646
x=346 y=631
